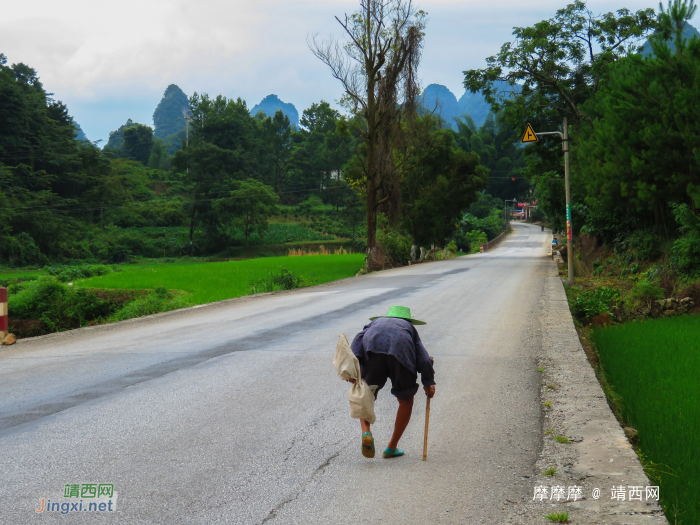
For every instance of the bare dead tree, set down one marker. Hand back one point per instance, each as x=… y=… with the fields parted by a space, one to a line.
x=377 y=64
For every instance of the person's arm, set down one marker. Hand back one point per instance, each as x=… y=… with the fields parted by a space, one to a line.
x=424 y=364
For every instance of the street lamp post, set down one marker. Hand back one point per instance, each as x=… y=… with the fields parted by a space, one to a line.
x=505 y=210
x=531 y=136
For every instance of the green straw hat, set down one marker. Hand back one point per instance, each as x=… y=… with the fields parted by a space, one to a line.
x=401 y=312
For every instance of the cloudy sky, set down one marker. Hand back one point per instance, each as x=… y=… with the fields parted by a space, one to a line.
x=112 y=61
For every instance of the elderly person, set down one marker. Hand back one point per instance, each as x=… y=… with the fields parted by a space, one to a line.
x=390 y=348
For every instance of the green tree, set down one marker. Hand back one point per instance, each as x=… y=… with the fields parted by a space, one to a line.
x=377 y=66
x=640 y=154
x=548 y=72
x=138 y=141
x=248 y=205
x=159 y=158
x=276 y=149
x=223 y=147
x=437 y=190
x=557 y=64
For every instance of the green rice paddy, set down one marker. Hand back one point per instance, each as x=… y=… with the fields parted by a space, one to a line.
x=654 y=366
x=215 y=281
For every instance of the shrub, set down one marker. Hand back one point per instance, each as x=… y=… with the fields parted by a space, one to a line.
x=645 y=291
x=599 y=301
x=71 y=273
x=153 y=303
x=396 y=243
x=644 y=246
x=473 y=241
x=57 y=305
x=685 y=254
x=284 y=280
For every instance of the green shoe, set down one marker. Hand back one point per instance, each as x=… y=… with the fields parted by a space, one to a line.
x=367 y=445
x=392 y=452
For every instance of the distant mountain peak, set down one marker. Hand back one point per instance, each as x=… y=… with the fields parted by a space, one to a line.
x=167 y=118
x=271 y=104
x=444 y=103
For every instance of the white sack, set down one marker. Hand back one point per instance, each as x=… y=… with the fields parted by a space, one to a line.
x=361 y=395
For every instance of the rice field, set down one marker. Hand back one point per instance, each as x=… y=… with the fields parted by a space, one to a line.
x=654 y=366
x=216 y=281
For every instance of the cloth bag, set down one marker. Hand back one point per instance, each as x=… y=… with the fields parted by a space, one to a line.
x=361 y=395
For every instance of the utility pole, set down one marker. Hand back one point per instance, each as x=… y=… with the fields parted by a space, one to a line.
x=531 y=136
x=567 y=184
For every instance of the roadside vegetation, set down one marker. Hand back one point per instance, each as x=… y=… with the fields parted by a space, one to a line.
x=653 y=367
x=627 y=83
x=73 y=297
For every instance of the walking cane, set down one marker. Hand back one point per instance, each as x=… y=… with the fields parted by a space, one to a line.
x=427 y=420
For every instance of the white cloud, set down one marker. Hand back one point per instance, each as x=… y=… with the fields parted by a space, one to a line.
x=109 y=62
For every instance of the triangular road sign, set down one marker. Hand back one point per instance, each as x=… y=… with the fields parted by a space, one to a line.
x=529 y=135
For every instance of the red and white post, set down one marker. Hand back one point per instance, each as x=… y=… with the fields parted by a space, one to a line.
x=3 y=314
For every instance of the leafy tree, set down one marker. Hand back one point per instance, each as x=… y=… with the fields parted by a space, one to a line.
x=558 y=63
x=549 y=71
x=437 y=190
x=138 y=141
x=248 y=204
x=159 y=158
x=495 y=143
x=320 y=151
x=222 y=148
x=276 y=149
x=640 y=153
x=377 y=67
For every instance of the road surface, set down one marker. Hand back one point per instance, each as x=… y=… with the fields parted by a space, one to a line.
x=233 y=413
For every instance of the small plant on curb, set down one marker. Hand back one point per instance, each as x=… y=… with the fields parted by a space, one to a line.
x=548 y=404
x=548 y=432
x=551 y=471
x=558 y=517
x=551 y=387
x=540 y=369
x=562 y=439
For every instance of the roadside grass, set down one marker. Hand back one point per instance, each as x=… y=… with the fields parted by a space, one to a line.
x=558 y=517
x=216 y=281
x=562 y=439
x=653 y=366
x=551 y=471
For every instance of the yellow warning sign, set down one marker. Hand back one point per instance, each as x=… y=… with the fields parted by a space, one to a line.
x=529 y=135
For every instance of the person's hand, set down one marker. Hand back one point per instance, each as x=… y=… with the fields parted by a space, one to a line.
x=351 y=381
x=429 y=390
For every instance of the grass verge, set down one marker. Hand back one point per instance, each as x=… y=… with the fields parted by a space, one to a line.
x=50 y=304
x=651 y=371
x=216 y=281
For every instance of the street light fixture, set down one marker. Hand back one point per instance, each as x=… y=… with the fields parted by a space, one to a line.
x=505 y=212
x=531 y=136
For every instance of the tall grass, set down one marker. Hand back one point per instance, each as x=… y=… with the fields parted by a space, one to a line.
x=215 y=281
x=654 y=366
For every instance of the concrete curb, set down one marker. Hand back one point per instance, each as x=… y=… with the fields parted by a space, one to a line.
x=600 y=455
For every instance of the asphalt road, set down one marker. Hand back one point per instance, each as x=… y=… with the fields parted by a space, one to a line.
x=233 y=413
